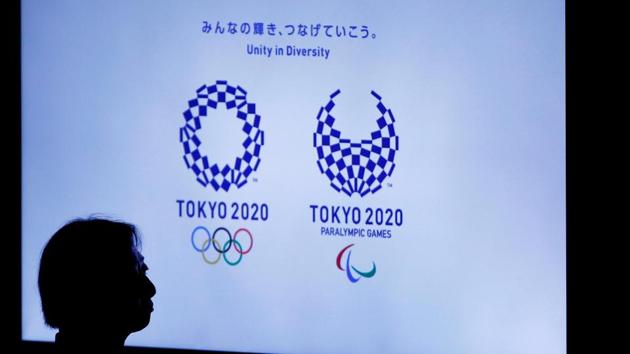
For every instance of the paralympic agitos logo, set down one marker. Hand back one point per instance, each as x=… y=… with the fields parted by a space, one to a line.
x=350 y=269
x=221 y=95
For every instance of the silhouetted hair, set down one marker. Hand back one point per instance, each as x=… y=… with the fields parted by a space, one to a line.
x=83 y=262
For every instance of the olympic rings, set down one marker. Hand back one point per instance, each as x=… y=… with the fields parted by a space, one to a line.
x=205 y=246
x=216 y=245
x=240 y=255
x=229 y=241
x=251 y=240
x=203 y=254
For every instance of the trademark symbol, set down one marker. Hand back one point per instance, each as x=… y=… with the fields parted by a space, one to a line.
x=389 y=185
x=255 y=179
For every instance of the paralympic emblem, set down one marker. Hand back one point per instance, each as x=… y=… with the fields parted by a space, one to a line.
x=349 y=273
x=221 y=95
x=221 y=250
x=356 y=166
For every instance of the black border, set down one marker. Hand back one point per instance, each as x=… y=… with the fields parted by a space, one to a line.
x=569 y=162
x=587 y=126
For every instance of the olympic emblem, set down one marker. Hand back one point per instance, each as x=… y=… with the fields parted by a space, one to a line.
x=221 y=250
x=214 y=96
x=349 y=273
x=356 y=166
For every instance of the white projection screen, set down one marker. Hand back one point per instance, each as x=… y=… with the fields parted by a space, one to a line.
x=309 y=177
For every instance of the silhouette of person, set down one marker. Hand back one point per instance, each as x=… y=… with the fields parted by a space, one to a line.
x=93 y=285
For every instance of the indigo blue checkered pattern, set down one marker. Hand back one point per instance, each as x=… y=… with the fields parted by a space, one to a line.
x=221 y=95
x=356 y=166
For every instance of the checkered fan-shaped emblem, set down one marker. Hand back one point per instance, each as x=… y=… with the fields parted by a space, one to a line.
x=355 y=166
x=216 y=96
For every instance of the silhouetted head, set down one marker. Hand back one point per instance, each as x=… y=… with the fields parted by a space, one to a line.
x=92 y=279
